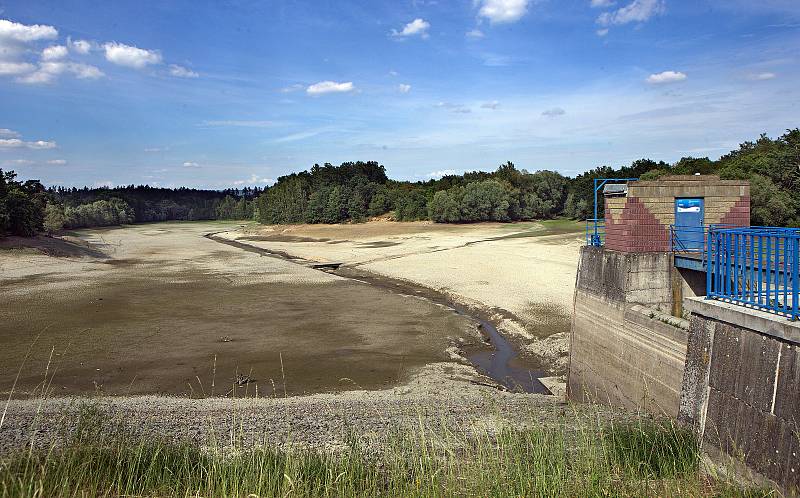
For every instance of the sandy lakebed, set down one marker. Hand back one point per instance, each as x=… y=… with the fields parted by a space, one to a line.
x=161 y=322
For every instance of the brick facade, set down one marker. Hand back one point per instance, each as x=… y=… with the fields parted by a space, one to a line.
x=640 y=221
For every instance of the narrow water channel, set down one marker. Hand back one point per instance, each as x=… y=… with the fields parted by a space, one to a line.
x=498 y=363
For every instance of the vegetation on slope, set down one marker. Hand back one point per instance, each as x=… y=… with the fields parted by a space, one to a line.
x=584 y=458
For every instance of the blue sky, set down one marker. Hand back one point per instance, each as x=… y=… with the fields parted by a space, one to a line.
x=232 y=93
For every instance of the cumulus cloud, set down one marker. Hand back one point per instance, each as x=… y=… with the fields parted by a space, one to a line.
x=417 y=27
x=6 y=133
x=15 y=68
x=181 y=72
x=503 y=11
x=403 y=88
x=490 y=105
x=554 y=112
x=82 y=47
x=54 y=53
x=130 y=56
x=602 y=32
x=636 y=11
x=475 y=34
x=14 y=31
x=190 y=164
x=762 y=76
x=324 y=87
x=16 y=143
x=49 y=71
x=666 y=77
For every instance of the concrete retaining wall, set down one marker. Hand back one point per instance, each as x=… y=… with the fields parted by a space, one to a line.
x=741 y=387
x=625 y=349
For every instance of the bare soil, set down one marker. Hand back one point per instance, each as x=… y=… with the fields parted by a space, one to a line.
x=160 y=309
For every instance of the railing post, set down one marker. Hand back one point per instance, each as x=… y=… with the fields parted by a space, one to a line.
x=796 y=278
x=709 y=266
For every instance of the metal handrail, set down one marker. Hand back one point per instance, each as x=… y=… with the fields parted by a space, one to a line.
x=595 y=232
x=757 y=267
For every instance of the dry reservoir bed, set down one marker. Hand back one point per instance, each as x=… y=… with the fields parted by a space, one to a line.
x=159 y=309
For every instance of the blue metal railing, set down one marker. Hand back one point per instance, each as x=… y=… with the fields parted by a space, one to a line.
x=692 y=240
x=595 y=232
x=758 y=267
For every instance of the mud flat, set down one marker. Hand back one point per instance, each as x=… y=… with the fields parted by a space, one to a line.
x=160 y=309
x=520 y=275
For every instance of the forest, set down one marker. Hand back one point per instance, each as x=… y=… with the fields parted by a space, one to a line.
x=357 y=191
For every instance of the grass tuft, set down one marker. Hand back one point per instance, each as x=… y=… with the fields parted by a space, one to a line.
x=641 y=458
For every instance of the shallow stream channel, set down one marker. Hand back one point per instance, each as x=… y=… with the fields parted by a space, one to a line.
x=499 y=362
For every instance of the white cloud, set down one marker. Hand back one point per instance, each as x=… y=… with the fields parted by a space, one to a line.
x=181 y=72
x=5 y=132
x=82 y=47
x=57 y=162
x=48 y=71
x=126 y=55
x=602 y=4
x=14 y=68
x=475 y=34
x=666 y=77
x=18 y=162
x=302 y=135
x=490 y=105
x=292 y=88
x=155 y=149
x=602 y=32
x=22 y=33
x=54 y=53
x=502 y=11
x=241 y=123
x=393 y=73
x=16 y=143
x=403 y=88
x=441 y=173
x=190 y=164
x=636 y=11
x=253 y=180
x=762 y=76
x=417 y=27
x=324 y=87
x=85 y=71
x=456 y=108
x=554 y=112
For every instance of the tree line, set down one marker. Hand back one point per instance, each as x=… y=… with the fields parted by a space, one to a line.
x=357 y=191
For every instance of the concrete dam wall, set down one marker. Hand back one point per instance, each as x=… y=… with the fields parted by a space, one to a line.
x=626 y=349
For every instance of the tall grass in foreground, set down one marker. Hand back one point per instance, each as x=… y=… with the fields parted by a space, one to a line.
x=642 y=458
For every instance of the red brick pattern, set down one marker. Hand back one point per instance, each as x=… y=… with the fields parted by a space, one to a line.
x=739 y=215
x=636 y=230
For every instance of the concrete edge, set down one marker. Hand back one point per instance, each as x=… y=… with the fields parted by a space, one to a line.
x=759 y=321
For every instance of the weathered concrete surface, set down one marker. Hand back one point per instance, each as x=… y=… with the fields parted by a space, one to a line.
x=624 y=350
x=741 y=387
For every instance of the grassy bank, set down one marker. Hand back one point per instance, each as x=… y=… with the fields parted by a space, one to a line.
x=642 y=458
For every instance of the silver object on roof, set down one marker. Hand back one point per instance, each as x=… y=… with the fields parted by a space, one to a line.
x=613 y=189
